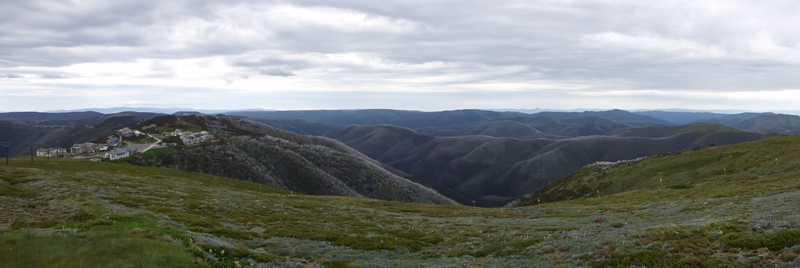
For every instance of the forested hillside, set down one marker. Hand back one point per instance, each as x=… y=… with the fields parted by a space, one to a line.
x=252 y=151
x=494 y=171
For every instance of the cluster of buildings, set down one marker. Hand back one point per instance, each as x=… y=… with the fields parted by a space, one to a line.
x=189 y=138
x=52 y=152
x=127 y=132
x=88 y=148
x=79 y=149
x=121 y=153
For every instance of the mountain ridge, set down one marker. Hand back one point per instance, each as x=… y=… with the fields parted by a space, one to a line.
x=248 y=150
x=496 y=170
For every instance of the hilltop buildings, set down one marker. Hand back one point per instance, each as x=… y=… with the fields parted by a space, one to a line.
x=87 y=148
x=52 y=152
x=186 y=138
x=127 y=132
x=120 y=153
x=194 y=138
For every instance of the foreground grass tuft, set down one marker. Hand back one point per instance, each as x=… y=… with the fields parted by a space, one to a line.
x=98 y=247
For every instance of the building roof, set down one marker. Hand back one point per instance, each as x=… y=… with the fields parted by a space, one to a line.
x=123 y=151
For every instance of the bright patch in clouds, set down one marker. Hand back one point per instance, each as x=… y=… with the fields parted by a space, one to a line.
x=432 y=55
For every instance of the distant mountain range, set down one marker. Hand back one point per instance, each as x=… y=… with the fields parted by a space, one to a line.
x=478 y=122
x=494 y=171
x=491 y=157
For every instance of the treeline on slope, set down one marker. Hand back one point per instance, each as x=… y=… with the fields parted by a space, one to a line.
x=770 y=123
x=459 y=122
x=70 y=118
x=494 y=171
x=314 y=165
x=537 y=127
x=515 y=124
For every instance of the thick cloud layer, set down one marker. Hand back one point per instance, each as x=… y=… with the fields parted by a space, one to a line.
x=427 y=55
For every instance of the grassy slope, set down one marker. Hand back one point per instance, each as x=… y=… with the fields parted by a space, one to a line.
x=741 y=169
x=160 y=217
x=494 y=171
x=743 y=198
x=74 y=207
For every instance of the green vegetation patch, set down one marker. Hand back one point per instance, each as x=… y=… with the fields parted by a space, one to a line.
x=503 y=247
x=751 y=168
x=145 y=222
x=242 y=221
x=705 y=246
x=228 y=257
x=158 y=151
x=773 y=241
x=17 y=176
x=98 y=247
x=657 y=258
x=10 y=190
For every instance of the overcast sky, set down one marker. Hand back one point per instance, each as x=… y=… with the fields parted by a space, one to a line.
x=421 y=55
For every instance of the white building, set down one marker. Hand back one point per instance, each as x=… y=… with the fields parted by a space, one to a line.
x=118 y=154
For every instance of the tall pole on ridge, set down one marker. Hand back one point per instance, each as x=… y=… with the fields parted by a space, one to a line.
x=5 y=144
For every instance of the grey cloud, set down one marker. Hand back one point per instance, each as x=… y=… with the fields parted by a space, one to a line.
x=228 y=80
x=671 y=45
x=548 y=40
x=10 y=76
x=54 y=33
x=276 y=71
x=53 y=76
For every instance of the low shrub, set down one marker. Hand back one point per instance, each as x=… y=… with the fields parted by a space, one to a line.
x=773 y=241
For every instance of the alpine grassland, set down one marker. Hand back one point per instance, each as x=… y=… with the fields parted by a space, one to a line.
x=726 y=206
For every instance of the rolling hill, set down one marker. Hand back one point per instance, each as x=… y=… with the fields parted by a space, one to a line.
x=494 y=171
x=61 y=130
x=706 y=173
x=616 y=114
x=536 y=127
x=501 y=128
x=20 y=134
x=771 y=123
x=458 y=122
x=76 y=213
x=409 y=119
x=758 y=122
x=682 y=118
x=298 y=126
x=70 y=118
x=252 y=151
